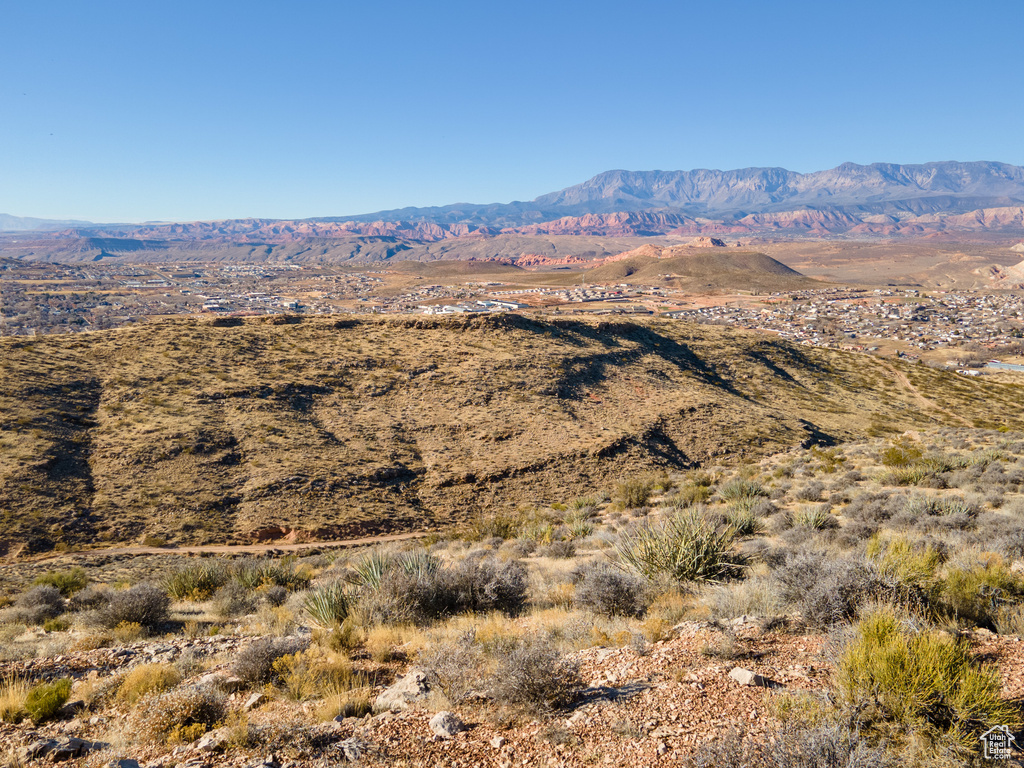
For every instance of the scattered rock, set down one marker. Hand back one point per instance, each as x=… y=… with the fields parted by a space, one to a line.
x=214 y=741
x=353 y=749
x=60 y=749
x=407 y=690
x=746 y=677
x=223 y=681
x=498 y=742
x=254 y=701
x=446 y=724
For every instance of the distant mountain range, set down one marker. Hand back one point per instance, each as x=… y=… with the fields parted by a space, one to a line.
x=880 y=199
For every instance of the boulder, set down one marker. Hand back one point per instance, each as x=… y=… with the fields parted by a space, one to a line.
x=407 y=690
x=446 y=724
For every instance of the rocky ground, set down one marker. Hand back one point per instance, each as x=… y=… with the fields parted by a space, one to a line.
x=651 y=705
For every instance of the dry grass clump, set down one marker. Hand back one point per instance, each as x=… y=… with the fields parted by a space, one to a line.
x=147 y=679
x=13 y=692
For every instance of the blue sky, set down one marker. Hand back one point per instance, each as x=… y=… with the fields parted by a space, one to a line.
x=132 y=111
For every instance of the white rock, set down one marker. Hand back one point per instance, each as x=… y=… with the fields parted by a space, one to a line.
x=446 y=724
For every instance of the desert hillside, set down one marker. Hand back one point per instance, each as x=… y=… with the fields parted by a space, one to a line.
x=193 y=431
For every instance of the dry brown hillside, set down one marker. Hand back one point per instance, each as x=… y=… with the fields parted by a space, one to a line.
x=199 y=432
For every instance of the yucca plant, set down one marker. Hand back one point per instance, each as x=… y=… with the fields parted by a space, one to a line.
x=818 y=518
x=328 y=605
x=741 y=488
x=687 y=547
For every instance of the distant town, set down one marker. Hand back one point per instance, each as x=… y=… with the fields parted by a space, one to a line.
x=949 y=328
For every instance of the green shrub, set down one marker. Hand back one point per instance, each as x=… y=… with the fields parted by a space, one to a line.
x=499 y=525
x=59 y=624
x=975 y=595
x=197 y=581
x=258 y=573
x=686 y=547
x=741 y=488
x=900 y=453
x=899 y=559
x=906 y=686
x=817 y=518
x=742 y=518
x=634 y=492
x=45 y=700
x=66 y=582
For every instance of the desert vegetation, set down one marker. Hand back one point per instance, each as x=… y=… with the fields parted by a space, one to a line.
x=864 y=600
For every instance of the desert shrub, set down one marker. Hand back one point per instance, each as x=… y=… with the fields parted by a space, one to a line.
x=686 y=547
x=558 y=549
x=741 y=488
x=520 y=547
x=60 y=624
x=36 y=606
x=687 y=495
x=179 y=715
x=263 y=573
x=817 y=518
x=89 y=598
x=900 y=453
x=610 y=591
x=66 y=582
x=147 y=679
x=810 y=492
x=823 y=745
x=531 y=671
x=487 y=584
x=498 y=525
x=274 y=594
x=900 y=560
x=826 y=590
x=255 y=663
x=975 y=595
x=398 y=594
x=328 y=605
x=197 y=581
x=45 y=700
x=634 y=492
x=873 y=507
x=457 y=665
x=903 y=476
x=142 y=604
x=908 y=686
x=743 y=519
x=579 y=529
x=757 y=596
x=233 y=600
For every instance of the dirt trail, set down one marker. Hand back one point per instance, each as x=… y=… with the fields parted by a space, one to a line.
x=232 y=548
x=905 y=382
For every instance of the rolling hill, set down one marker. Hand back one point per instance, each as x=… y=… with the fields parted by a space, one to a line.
x=195 y=431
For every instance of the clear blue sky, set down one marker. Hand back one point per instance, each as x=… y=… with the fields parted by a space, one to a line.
x=131 y=111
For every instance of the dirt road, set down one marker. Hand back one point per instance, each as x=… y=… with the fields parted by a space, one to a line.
x=227 y=549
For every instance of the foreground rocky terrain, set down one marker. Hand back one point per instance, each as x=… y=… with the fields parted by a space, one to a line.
x=556 y=635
